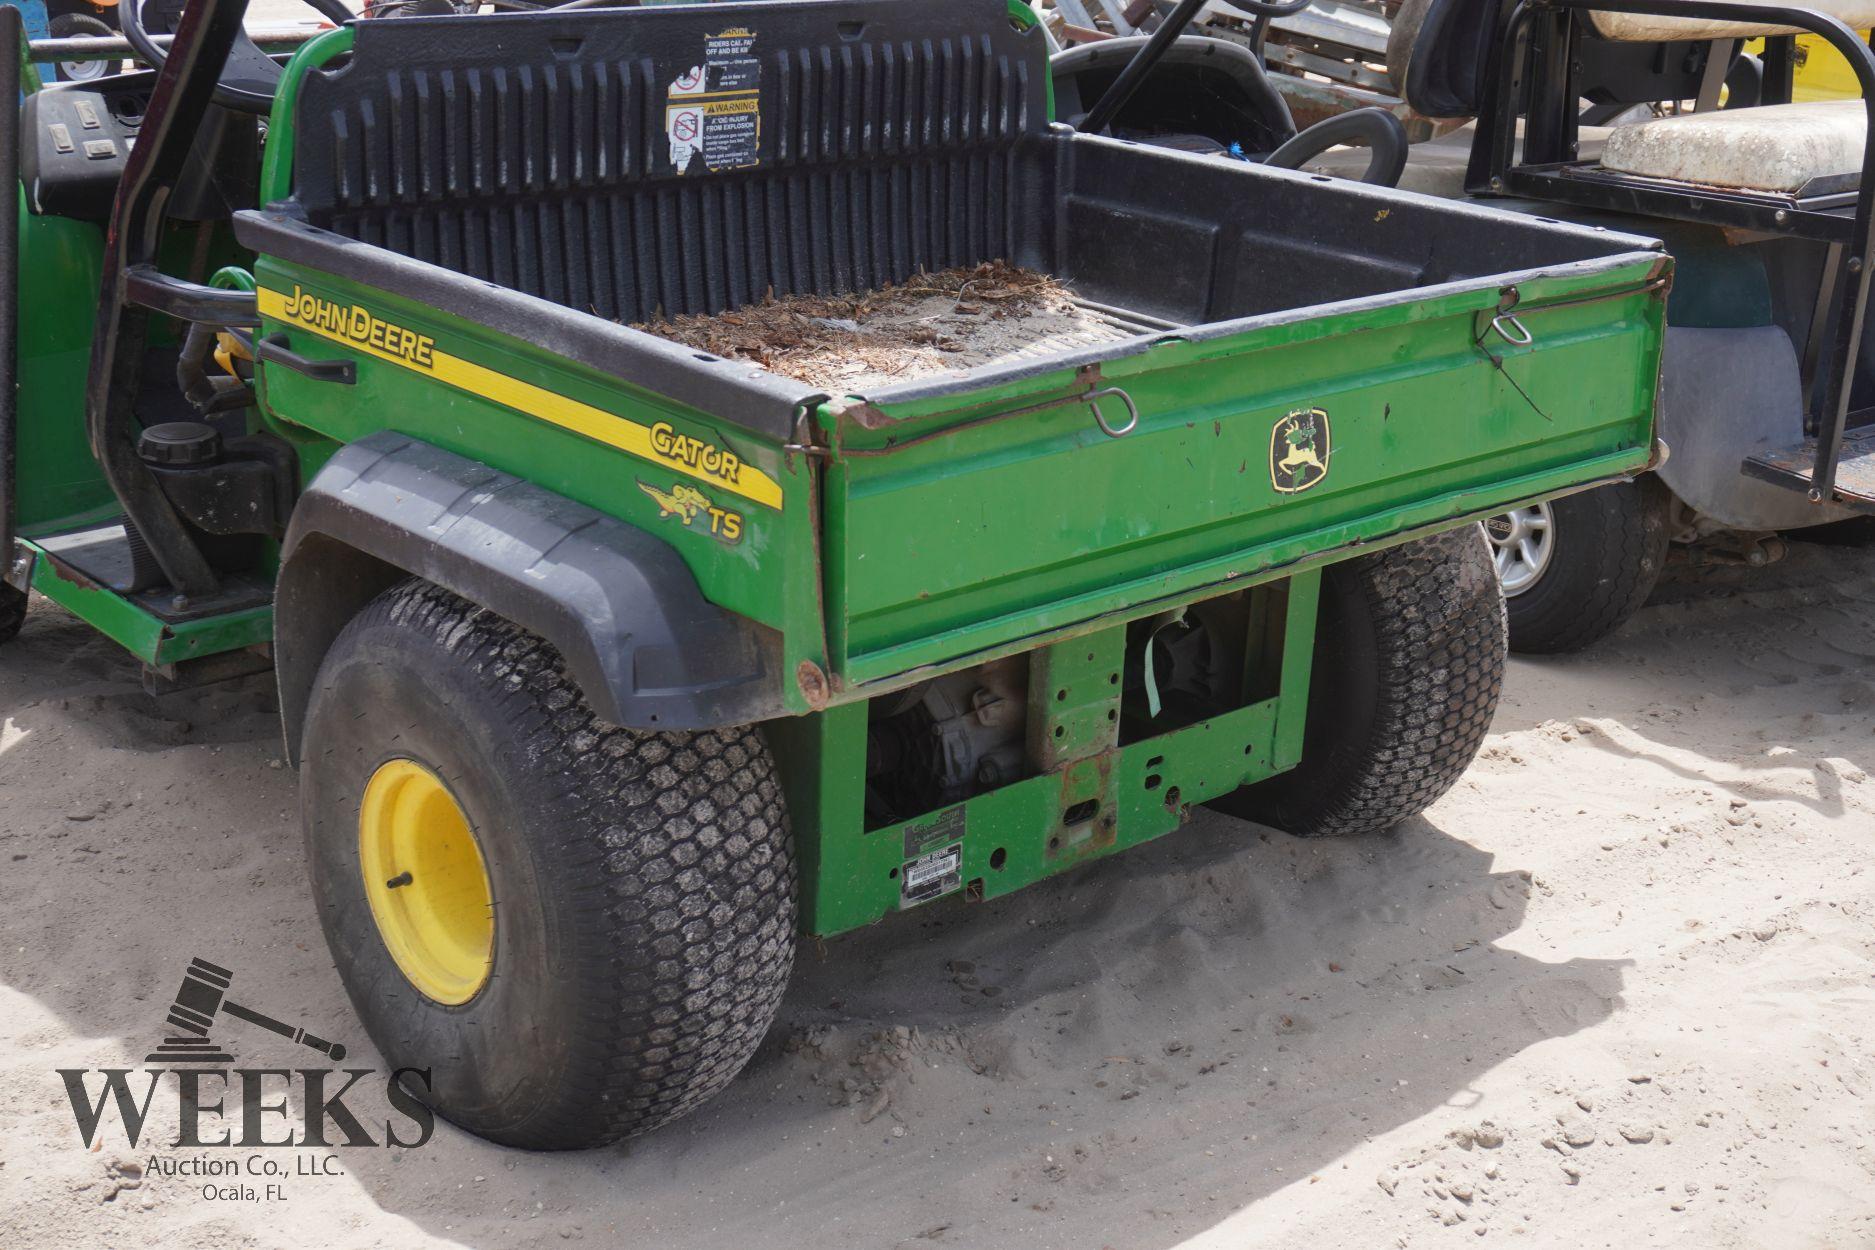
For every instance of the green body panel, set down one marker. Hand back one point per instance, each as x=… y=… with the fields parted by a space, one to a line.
x=974 y=539
x=969 y=544
x=745 y=575
x=60 y=485
x=138 y=630
x=1094 y=799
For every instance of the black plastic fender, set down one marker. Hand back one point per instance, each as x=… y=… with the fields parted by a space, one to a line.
x=625 y=613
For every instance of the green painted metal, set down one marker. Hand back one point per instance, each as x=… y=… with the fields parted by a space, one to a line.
x=749 y=575
x=1074 y=697
x=966 y=542
x=1297 y=600
x=138 y=630
x=60 y=265
x=1089 y=799
x=232 y=631
x=29 y=72
x=959 y=549
x=821 y=759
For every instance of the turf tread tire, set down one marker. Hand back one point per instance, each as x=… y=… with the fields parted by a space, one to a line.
x=12 y=612
x=1409 y=664
x=665 y=860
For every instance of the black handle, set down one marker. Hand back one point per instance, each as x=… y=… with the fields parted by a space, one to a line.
x=274 y=350
x=288 y=1031
x=148 y=287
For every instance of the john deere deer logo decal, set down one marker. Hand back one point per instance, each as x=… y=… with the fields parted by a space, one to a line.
x=1299 y=451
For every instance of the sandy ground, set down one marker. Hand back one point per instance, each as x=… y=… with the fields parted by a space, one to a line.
x=1614 y=990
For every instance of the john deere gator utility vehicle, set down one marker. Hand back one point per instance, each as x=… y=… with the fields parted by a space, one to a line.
x=609 y=664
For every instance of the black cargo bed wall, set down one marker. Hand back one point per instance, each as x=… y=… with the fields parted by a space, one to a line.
x=1196 y=239
x=532 y=150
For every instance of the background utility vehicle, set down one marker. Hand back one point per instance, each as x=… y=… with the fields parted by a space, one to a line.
x=1767 y=386
x=577 y=763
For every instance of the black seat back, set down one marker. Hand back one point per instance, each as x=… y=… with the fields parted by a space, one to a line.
x=829 y=145
x=1457 y=40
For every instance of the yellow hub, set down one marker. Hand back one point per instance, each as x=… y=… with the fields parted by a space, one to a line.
x=426 y=882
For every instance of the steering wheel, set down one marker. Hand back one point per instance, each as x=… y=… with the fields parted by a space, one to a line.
x=249 y=78
x=1266 y=8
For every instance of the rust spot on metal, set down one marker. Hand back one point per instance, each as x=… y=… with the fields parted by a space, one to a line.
x=1068 y=843
x=1795 y=467
x=67 y=573
x=813 y=684
x=868 y=417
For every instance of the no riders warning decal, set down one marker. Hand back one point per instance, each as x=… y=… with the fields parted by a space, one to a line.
x=714 y=110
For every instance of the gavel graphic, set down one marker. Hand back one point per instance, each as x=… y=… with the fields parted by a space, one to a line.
x=203 y=995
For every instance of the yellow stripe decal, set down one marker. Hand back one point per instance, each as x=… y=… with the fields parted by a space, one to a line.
x=363 y=331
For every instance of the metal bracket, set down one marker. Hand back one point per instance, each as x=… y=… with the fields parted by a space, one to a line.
x=1506 y=319
x=1132 y=411
x=18 y=572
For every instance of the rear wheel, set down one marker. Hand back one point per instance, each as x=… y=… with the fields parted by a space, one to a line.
x=12 y=612
x=1576 y=568
x=582 y=931
x=1409 y=662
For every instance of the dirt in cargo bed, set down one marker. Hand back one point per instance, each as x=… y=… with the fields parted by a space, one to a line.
x=932 y=323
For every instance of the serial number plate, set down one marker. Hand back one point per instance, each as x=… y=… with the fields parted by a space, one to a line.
x=931 y=876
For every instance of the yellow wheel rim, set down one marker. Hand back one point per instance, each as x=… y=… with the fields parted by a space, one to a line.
x=426 y=882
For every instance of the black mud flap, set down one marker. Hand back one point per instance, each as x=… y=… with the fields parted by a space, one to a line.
x=625 y=613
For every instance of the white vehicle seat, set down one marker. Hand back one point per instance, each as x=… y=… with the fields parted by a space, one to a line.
x=1641 y=28
x=1774 y=147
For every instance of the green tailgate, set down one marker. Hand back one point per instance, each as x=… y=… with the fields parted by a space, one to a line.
x=975 y=528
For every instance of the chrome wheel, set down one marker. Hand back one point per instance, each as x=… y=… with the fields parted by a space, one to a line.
x=1521 y=545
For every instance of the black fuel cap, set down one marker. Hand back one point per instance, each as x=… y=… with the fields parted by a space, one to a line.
x=179 y=443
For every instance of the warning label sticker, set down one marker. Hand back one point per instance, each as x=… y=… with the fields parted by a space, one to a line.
x=931 y=876
x=714 y=110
